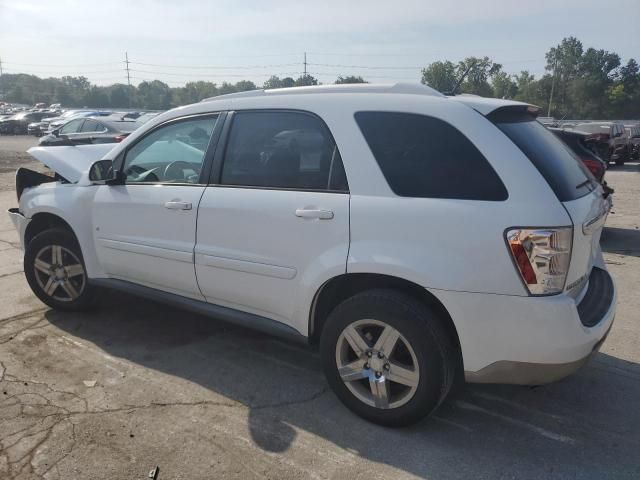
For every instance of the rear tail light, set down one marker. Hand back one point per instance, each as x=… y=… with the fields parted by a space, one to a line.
x=119 y=138
x=594 y=167
x=542 y=257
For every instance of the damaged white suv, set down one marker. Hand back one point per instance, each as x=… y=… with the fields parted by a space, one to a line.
x=415 y=237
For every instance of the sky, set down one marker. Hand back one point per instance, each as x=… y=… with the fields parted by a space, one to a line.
x=230 y=40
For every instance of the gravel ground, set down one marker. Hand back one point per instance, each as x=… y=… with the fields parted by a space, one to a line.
x=112 y=393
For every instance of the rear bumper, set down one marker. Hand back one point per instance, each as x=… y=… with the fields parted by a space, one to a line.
x=523 y=373
x=531 y=340
x=20 y=222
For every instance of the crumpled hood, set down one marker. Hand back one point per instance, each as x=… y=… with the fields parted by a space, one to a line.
x=71 y=162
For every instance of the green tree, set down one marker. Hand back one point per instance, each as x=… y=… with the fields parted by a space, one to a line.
x=245 y=85
x=350 y=79
x=480 y=70
x=504 y=86
x=96 y=97
x=441 y=76
x=273 y=82
x=154 y=95
x=120 y=95
x=306 y=80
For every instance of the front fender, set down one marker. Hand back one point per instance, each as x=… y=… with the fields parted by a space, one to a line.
x=71 y=204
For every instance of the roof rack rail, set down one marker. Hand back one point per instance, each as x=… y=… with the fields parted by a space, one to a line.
x=400 y=88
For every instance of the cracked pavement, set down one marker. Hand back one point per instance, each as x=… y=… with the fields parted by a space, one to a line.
x=111 y=393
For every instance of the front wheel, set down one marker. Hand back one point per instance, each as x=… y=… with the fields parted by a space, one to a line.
x=55 y=270
x=387 y=357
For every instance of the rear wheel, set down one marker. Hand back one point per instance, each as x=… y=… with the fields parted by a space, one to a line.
x=55 y=270
x=387 y=357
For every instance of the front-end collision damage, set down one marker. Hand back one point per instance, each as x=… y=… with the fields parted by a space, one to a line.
x=69 y=164
x=26 y=178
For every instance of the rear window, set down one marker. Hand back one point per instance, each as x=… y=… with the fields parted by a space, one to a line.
x=422 y=156
x=123 y=126
x=560 y=167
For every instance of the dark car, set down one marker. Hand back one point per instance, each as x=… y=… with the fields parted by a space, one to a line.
x=633 y=141
x=582 y=145
x=611 y=138
x=18 y=123
x=89 y=130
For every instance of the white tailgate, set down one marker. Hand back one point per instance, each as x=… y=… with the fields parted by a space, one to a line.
x=589 y=214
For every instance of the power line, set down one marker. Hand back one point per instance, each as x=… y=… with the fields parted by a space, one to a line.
x=215 y=67
x=62 y=65
x=176 y=74
x=372 y=67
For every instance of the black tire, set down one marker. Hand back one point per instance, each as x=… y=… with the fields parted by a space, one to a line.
x=65 y=239
x=420 y=326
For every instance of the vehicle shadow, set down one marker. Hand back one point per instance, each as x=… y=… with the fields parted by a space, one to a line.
x=586 y=426
x=624 y=241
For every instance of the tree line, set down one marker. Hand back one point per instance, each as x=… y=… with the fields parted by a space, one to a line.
x=579 y=83
x=150 y=95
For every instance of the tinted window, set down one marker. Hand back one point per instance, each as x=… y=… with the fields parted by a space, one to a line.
x=282 y=150
x=72 y=127
x=422 y=156
x=122 y=126
x=171 y=154
x=560 y=167
x=91 y=126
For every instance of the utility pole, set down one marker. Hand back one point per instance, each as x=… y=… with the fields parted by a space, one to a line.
x=126 y=61
x=305 y=64
x=553 y=83
x=1 y=84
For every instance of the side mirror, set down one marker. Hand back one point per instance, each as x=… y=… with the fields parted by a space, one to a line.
x=101 y=172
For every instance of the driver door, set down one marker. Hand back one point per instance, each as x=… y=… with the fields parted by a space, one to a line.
x=145 y=229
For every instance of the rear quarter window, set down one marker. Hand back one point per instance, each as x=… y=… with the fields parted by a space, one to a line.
x=559 y=166
x=422 y=156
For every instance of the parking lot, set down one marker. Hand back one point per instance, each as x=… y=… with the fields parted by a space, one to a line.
x=133 y=385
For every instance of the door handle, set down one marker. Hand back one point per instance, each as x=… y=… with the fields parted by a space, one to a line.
x=178 y=205
x=314 y=213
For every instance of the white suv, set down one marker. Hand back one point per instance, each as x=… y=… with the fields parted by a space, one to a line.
x=416 y=238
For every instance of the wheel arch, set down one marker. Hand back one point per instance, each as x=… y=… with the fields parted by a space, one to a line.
x=42 y=221
x=341 y=287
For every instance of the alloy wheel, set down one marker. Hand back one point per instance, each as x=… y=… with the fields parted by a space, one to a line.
x=377 y=364
x=59 y=273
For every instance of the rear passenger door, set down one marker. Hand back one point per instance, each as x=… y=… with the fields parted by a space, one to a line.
x=275 y=220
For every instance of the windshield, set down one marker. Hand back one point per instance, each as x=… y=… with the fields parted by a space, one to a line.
x=558 y=164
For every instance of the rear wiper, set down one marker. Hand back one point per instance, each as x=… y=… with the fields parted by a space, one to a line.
x=582 y=184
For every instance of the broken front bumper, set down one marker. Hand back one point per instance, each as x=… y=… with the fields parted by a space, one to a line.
x=20 y=222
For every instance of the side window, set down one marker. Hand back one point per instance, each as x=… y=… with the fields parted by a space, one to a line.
x=282 y=150
x=423 y=156
x=72 y=127
x=90 y=126
x=173 y=153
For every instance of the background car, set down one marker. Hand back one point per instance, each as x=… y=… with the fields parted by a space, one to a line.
x=579 y=143
x=145 y=117
x=89 y=131
x=18 y=123
x=55 y=123
x=612 y=135
x=633 y=141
